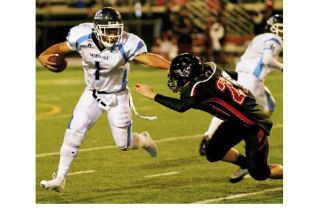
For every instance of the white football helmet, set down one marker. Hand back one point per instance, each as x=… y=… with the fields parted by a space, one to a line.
x=275 y=25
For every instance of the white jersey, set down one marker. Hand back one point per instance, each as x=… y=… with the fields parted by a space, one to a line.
x=104 y=69
x=259 y=58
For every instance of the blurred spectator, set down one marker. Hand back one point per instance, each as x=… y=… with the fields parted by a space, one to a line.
x=155 y=48
x=168 y=47
x=259 y=22
x=217 y=35
x=168 y=18
x=183 y=28
x=198 y=42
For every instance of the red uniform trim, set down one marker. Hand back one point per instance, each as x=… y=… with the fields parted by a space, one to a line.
x=231 y=109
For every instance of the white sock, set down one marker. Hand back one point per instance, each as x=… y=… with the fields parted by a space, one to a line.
x=69 y=150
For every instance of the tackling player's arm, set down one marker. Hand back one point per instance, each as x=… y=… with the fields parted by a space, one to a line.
x=172 y=103
x=153 y=60
x=60 y=48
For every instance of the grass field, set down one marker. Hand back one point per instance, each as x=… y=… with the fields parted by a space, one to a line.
x=104 y=174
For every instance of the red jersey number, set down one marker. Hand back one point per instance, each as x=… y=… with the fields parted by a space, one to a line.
x=238 y=95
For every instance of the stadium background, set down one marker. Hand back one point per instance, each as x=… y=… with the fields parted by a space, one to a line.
x=149 y=20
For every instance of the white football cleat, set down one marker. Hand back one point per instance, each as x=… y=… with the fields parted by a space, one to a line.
x=238 y=175
x=151 y=147
x=56 y=184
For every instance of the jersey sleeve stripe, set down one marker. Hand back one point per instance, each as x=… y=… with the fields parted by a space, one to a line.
x=82 y=39
x=275 y=40
x=123 y=53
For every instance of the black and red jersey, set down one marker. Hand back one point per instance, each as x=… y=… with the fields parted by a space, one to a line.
x=220 y=95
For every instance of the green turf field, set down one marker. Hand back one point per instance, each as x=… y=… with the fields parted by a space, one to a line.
x=104 y=174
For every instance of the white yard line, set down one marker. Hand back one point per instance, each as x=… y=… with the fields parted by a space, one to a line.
x=162 y=174
x=237 y=196
x=81 y=172
x=157 y=141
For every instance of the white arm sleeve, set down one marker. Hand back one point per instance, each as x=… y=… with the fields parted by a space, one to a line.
x=272 y=48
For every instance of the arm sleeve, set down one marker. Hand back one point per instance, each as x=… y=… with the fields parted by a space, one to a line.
x=137 y=47
x=175 y=104
x=271 y=49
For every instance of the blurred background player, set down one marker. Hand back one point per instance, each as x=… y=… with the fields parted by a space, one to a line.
x=106 y=50
x=208 y=88
x=259 y=59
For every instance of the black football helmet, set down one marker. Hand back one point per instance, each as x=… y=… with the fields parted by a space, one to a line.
x=275 y=25
x=183 y=68
x=105 y=21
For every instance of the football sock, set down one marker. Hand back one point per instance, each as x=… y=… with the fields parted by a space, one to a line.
x=241 y=161
x=69 y=150
x=137 y=141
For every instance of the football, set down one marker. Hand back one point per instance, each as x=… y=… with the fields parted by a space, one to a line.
x=60 y=61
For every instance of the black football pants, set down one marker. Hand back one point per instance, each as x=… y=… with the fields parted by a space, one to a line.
x=231 y=133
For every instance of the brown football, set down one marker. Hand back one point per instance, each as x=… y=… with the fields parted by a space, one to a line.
x=60 y=61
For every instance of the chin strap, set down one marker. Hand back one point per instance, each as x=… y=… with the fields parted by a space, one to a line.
x=135 y=111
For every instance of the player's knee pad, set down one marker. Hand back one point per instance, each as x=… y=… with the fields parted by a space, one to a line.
x=123 y=117
x=71 y=143
x=259 y=174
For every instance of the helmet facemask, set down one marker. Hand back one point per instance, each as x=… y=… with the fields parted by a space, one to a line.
x=277 y=29
x=109 y=35
x=173 y=84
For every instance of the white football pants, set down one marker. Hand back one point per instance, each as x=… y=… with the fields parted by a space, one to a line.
x=256 y=86
x=87 y=112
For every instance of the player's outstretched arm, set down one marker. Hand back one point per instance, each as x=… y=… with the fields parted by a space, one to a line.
x=172 y=103
x=60 y=48
x=145 y=90
x=153 y=60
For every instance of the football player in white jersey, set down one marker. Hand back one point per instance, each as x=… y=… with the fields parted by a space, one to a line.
x=259 y=59
x=106 y=50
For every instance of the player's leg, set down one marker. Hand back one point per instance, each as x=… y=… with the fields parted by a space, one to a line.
x=269 y=102
x=214 y=124
x=257 y=148
x=84 y=116
x=120 y=121
x=220 y=146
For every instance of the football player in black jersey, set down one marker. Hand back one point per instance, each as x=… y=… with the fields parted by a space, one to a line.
x=211 y=89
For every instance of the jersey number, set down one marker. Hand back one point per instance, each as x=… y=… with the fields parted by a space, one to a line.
x=97 y=73
x=238 y=95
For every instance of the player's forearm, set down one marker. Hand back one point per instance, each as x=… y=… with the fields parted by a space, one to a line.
x=60 y=48
x=154 y=60
x=172 y=103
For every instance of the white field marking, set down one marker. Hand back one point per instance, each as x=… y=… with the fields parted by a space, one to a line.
x=81 y=172
x=162 y=174
x=113 y=146
x=237 y=196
